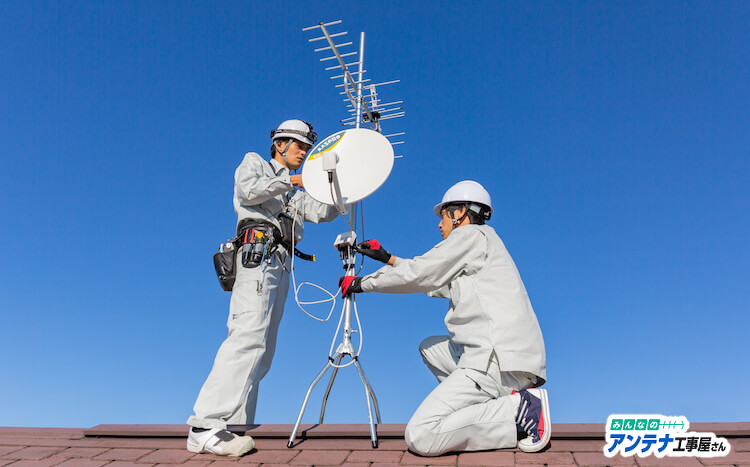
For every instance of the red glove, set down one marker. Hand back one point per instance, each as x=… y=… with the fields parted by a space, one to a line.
x=374 y=250
x=350 y=285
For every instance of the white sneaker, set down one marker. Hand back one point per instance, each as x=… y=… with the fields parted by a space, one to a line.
x=219 y=442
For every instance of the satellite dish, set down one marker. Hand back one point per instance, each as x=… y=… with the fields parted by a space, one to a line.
x=358 y=160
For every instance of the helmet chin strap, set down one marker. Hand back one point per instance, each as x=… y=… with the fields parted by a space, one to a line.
x=456 y=221
x=283 y=153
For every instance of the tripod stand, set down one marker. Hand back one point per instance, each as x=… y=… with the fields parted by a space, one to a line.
x=345 y=347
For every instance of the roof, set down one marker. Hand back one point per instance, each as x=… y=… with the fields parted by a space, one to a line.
x=328 y=444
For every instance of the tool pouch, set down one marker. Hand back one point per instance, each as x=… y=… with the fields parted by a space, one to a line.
x=224 y=263
x=257 y=241
x=286 y=222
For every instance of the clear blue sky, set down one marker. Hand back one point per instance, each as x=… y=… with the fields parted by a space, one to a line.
x=613 y=137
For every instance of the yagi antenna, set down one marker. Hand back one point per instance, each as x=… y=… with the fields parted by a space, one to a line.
x=362 y=98
x=365 y=108
x=341 y=170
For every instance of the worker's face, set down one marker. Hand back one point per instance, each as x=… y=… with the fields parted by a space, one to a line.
x=295 y=156
x=446 y=223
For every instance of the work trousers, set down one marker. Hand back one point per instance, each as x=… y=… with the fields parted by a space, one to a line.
x=470 y=410
x=230 y=393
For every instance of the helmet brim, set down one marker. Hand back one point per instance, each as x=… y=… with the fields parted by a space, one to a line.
x=439 y=207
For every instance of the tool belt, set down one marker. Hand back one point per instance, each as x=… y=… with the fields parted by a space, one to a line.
x=282 y=237
x=257 y=240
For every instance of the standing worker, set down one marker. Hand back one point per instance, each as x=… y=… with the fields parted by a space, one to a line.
x=268 y=209
x=494 y=357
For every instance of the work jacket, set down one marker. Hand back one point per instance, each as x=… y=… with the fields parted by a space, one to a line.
x=489 y=312
x=262 y=191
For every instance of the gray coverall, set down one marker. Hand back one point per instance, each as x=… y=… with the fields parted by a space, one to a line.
x=230 y=393
x=495 y=345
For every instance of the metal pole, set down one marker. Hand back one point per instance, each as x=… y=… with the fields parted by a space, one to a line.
x=307 y=398
x=348 y=324
x=328 y=390
x=372 y=393
x=358 y=120
x=373 y=433
x=359 y=77
x=353 y=217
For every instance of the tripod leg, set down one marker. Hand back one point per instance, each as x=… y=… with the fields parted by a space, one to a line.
x=328 y=391
x=304 y=403
x=373 y=434
x=372 y=394
x=375 y=403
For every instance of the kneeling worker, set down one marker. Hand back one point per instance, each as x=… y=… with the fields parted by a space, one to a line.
x=494 y=357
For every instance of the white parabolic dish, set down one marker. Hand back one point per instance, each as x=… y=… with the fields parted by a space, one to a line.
x=365 y=160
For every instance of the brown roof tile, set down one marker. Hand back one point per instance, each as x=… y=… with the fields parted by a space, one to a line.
x=412 y=459
x=546 y=457
x=199 y=463
x=75 y=452
x=486 y=458
x=320 y=458
x=735 y=457
x=5 y=450
x=35 y=452
x=595 y=459
x=168 y=456
x=82 y=463
x=272 y=456
x=340 y=445
x=668 y=461
x=375 y=455
x=37 y=463
x=123 y=454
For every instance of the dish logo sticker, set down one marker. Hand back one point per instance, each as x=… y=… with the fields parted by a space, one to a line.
x=326 y=145
x=660 y=436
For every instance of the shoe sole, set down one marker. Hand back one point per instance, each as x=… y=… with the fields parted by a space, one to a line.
x=245 y=449
x=242 y=451
x=544 y=440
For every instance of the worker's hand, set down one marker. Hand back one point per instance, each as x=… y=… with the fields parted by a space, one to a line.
x=350 y=285
x=374 y=250
x=296 y=180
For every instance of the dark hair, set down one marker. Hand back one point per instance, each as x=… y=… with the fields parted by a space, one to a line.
x=474 y=217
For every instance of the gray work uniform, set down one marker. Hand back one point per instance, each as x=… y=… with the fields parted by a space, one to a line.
x=230 y=393
x=495 y=345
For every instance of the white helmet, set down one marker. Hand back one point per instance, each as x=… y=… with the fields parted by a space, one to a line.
x=470 y=193
x=297 y=129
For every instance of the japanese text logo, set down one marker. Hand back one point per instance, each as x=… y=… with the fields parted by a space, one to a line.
x=661 y=436
x=326 y=145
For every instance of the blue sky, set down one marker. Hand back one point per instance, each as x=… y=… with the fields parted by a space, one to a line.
x=613 y=138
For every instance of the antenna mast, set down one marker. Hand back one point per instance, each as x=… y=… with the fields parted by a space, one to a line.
x=365 y=109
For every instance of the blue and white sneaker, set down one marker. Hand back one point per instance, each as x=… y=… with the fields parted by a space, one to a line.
x=533 y=418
